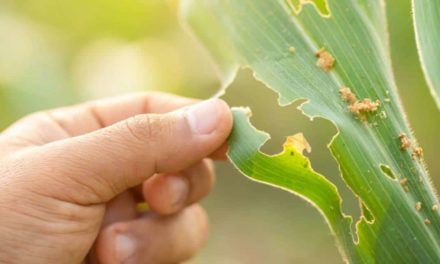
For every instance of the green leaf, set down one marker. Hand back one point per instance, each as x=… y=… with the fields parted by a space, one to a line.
x=289 y=170
x=281 y=45
x=427 y=27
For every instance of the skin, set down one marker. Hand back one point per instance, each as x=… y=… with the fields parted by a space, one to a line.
x=71 y=179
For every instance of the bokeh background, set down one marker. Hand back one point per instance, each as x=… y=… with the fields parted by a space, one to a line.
x=54 y=53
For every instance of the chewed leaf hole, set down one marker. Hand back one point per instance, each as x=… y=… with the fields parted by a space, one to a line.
x=366 y=213
x=282 y=122
x=387 y=171
x=321 y=6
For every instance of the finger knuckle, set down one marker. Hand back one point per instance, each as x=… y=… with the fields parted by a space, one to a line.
x=195 y=240
x=203 y=177
x=209 y=166
x=148 y=127
x=211 y=173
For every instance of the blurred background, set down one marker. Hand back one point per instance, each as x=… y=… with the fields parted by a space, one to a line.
x=54 y=53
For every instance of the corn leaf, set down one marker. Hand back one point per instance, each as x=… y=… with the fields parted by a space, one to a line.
x=335 y=55
x=427 y=27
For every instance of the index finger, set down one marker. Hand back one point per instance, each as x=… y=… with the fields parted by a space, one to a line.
x=48 y=126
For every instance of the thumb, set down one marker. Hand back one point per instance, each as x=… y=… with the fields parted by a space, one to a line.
x=99 y=165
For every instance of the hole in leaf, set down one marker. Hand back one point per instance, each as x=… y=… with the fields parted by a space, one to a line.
x=281 y=122
x=321 y=6
x=387 y=171
x=366 y=212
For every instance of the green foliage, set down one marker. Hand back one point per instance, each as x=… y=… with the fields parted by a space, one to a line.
x=427 y=21
x=281 y=45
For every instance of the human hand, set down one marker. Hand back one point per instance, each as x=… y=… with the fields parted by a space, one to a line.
x=71 y=178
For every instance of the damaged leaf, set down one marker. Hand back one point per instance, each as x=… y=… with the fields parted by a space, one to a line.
x=368 y=148
x=289 y=170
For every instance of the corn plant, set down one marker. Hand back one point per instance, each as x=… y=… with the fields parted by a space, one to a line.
x=334 y=54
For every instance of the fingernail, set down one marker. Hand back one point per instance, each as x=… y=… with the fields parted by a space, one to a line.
x=179 y=189
x=125 y=247
x=204 y=117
